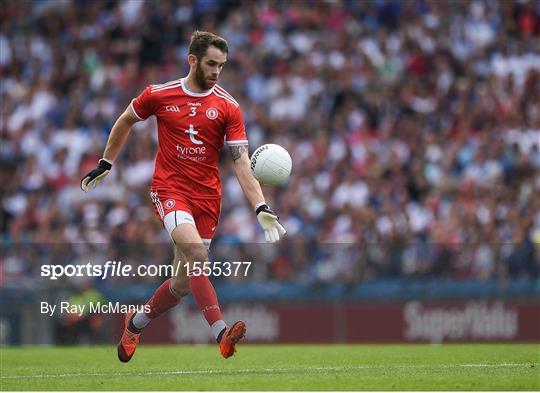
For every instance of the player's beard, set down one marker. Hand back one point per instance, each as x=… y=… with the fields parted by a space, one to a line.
x=202 y=80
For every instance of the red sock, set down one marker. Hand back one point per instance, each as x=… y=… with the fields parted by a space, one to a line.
x=162 y=300
x=206 y=298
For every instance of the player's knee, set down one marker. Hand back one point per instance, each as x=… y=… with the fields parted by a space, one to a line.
x=180 y=286
x=195 y=252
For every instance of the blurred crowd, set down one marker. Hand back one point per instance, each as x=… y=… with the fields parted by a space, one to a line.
x=414 y=128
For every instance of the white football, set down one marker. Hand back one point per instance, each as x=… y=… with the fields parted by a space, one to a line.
x=271 y=164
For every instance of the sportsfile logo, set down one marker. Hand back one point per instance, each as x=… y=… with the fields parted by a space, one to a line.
x=121 y=269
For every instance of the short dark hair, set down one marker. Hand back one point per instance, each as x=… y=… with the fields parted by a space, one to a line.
x=202 y=40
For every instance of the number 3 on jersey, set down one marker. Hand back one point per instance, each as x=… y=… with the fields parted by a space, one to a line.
x=193 y=111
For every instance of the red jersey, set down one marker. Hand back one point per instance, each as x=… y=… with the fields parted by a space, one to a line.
x=192 y=129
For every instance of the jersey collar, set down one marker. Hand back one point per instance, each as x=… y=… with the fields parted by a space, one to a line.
x=192 y=93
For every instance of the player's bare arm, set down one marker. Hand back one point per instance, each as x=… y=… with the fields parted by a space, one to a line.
x=117 y=138
x=250 y=185
x=119 y=133
x=268 y=220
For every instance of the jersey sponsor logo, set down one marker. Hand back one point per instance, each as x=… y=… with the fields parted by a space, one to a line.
x=169 y=203
x=192 y=134
x=172 y=108
x=191 y=153
x=197 y=153
x=212 y=113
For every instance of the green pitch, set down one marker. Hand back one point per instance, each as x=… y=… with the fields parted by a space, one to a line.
x=276 y=367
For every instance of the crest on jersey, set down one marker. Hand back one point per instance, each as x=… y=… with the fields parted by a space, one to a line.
x=169 y=203
x=212 y=113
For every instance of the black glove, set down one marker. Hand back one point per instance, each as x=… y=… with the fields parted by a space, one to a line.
x=95 y=176
x=273 y=230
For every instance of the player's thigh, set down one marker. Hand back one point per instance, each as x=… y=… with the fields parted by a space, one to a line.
x=177 y=217
x=206 y=214
x=189 y=243
x=171 y=210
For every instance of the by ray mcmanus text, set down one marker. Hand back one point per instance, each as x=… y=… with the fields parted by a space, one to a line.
x=91 y=308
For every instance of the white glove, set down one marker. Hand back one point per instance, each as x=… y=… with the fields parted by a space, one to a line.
x=273 y=230
x=95 y=176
